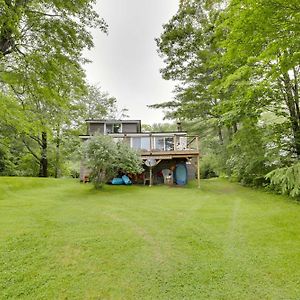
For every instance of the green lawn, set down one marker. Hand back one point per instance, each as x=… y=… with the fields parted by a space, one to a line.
x=63 y=240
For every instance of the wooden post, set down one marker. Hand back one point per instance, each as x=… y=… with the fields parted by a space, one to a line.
x=175 y=142
x=150 y=180
x=151 y=146
x=198 y=170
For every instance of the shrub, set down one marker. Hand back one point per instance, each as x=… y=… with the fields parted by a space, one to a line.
x=105 y=158
x=287 y=180
x=209 y=166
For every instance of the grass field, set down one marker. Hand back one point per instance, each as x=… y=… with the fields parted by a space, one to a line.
x=63 y=240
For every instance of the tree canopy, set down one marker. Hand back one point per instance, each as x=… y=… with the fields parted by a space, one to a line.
x=41 y=76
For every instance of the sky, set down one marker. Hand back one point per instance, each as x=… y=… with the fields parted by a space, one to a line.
x=125 y=63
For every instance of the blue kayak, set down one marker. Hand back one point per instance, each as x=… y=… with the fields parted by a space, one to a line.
x=126 y=180
x=117 y=181
x=181 y=174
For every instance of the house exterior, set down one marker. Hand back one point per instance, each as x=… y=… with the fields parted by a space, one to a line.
x=159 y=150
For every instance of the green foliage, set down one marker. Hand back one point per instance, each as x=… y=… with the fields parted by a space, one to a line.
x=128 y=160
x=51 y=26
x=209 y=166
x=99 y=155
x=6 y=166
x=237 y=67
x=286 y=180
x=42 y=79
x=96 y=104
x=247 y=159
x=160 y=127
x=104 y=158
x=263 y=71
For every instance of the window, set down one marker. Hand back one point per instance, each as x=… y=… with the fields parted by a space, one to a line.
x=164 y=143
x=140 y=143
x=136 y=143
x=145 y=143
x=117 y=128
x=169 y=144
x=108 y=128
x=159 y=143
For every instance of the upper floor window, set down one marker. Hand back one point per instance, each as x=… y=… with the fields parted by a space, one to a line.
x=113 y=128
x=117 y=128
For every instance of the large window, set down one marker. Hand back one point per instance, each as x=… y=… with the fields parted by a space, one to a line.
x=145 y=143
x=159 y=143
x=164 y=143
x=140 y=143
x=136 y=143
x=169 y=144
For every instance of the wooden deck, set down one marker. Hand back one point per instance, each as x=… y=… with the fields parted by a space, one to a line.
x=189 y=153
x=159 y=156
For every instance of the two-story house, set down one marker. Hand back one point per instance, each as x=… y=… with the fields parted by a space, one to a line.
x=160 y=151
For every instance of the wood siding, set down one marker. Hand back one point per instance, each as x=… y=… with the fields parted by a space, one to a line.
x=130 y=128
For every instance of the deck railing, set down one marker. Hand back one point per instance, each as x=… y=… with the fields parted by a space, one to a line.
x=159 y=142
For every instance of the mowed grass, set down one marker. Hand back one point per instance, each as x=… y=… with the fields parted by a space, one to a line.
x=60 y=239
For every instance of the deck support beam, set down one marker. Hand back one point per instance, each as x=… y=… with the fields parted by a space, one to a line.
x=151 y=178
x=150 y=168
x=198 y=170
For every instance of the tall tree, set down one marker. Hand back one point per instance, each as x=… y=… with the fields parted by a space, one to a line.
x=41 y=45
x=187 y=47
x=261 y=46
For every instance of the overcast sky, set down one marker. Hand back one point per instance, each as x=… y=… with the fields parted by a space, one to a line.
x=125 y=62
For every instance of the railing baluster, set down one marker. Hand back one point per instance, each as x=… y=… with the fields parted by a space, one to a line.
x=175 y=142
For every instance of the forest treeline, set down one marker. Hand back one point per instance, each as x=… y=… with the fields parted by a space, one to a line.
x=237 y=67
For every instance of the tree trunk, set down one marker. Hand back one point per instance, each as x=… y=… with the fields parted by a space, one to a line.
x=221 y=139
x=235 y=128
x=57 y=155
x=293 y=107
x=229 y=130
x=44 y=159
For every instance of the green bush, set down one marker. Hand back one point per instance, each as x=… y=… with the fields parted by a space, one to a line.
x=209 y=166
x=104 y=157
x=286 y=180
x=247 y=160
